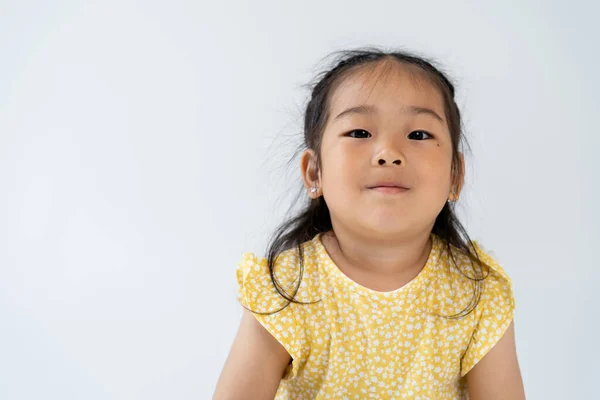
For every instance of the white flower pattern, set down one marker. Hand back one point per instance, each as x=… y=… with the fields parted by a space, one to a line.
x=358 y=343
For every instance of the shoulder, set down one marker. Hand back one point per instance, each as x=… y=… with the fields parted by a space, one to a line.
x=459 y=266
x=495 y=268
x=261 y=285
x=497 y=293
x=460 y=282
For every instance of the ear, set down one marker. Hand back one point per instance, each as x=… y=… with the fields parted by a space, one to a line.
x=310 y=173
x=458 y=179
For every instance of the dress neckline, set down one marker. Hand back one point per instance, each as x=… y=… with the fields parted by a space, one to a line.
x=332 y=268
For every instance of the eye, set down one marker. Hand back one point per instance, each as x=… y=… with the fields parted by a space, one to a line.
x=359 y=131
x=419 y=135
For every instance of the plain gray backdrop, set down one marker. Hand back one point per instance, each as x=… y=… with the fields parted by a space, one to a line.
x=143 y=149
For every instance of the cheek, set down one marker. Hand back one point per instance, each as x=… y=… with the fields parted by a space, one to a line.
x=436 y=175
x=343 y=165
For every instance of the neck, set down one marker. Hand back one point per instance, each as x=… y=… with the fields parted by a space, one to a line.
x=379 y=256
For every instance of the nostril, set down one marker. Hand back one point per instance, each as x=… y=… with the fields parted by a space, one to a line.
x=381 y=161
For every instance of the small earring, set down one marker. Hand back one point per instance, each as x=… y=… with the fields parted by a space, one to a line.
x=313 y=190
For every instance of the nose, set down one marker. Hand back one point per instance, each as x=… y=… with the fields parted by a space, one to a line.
x=383 y=161
x=388 y=156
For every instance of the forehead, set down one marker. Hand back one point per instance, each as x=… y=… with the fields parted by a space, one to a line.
x=386 y=84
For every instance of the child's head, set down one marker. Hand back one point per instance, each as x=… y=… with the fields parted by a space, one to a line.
x=380 y=118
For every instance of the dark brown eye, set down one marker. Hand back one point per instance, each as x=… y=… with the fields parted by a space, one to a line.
x=360 y=132
x=419 y=135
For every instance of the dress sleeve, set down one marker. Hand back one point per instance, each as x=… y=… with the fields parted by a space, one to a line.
x=255 y=291
x=494 y=313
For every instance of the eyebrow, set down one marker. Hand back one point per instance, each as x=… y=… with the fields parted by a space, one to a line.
x=368 y=109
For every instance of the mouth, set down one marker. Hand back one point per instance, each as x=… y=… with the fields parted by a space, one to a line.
x=389 y=189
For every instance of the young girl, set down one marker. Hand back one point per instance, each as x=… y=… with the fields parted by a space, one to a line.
x=374 y=290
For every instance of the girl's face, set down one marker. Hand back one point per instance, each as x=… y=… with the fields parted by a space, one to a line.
x=386 y=126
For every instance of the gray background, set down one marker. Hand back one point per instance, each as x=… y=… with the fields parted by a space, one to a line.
x=143 y=148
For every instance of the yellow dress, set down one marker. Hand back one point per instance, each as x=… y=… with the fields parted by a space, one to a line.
x=358 y=343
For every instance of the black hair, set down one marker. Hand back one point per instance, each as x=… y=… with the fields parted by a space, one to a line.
x=314 y=217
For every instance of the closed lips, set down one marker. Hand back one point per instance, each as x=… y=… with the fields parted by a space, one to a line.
x=388 y=184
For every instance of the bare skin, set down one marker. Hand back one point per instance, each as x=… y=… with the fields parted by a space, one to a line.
x=254 y=366
x=378 y=280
